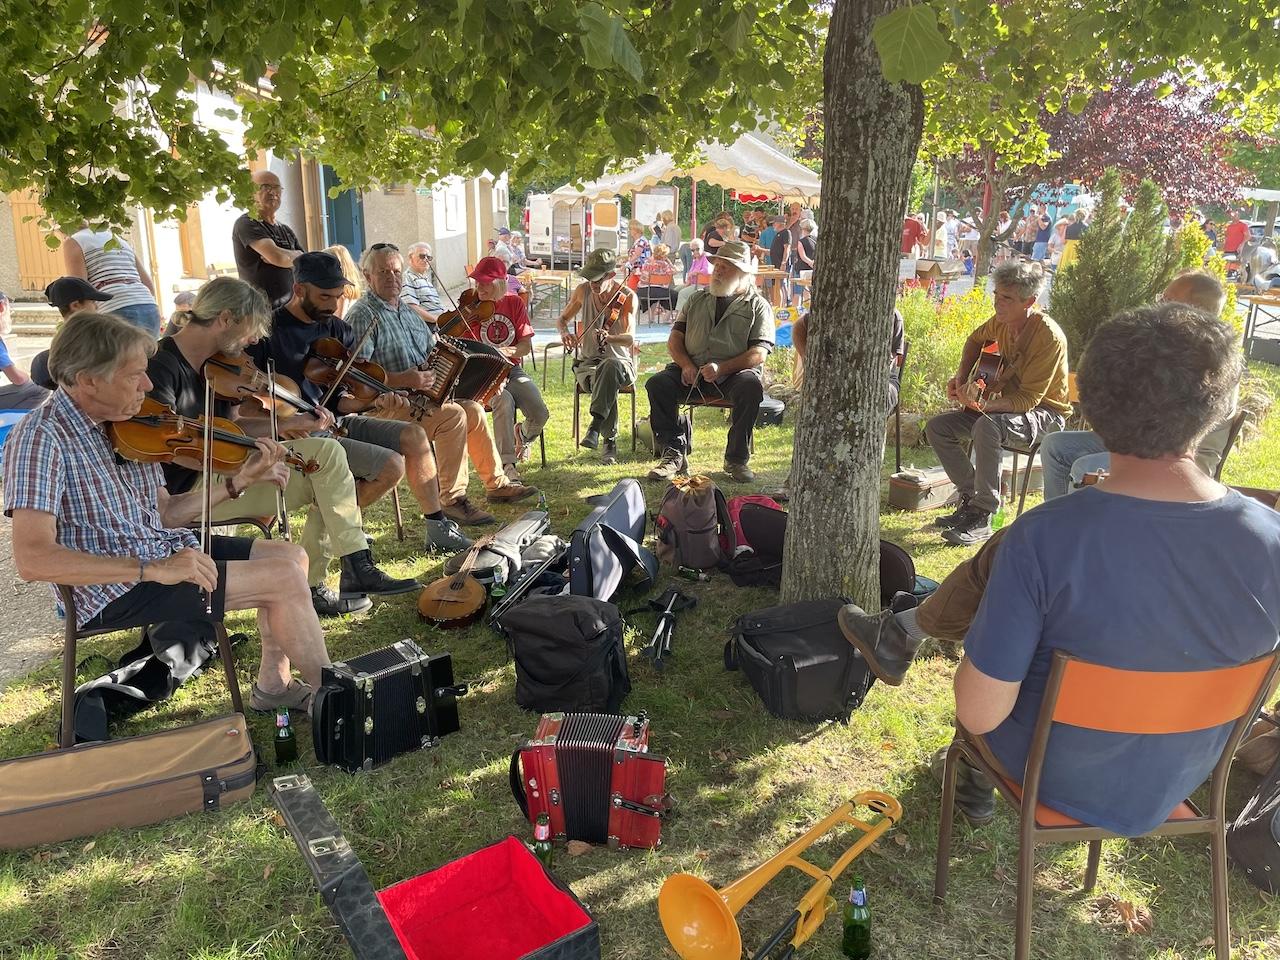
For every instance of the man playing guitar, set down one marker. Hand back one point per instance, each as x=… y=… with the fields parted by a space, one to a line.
x=1025 y=399
x=605 y=363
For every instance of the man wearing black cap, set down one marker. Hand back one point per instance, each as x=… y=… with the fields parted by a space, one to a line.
x=70 y=294
x=380 y=448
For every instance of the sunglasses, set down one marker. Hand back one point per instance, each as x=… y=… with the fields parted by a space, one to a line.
x=385 y=246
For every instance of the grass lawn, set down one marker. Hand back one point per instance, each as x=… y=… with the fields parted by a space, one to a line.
x=233 y=885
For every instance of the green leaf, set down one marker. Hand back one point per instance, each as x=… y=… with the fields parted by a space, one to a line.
x=1077 y=102
x=911 y=46
x=625 y=54
x=597 y=36
x=737 y=30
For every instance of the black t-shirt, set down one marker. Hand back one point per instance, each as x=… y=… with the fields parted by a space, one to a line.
x=275 y=282
x=1044 y=227
x=1075 y=231
x=810 y=249
x=287 y=345
x=176 y=384
x=781 y=240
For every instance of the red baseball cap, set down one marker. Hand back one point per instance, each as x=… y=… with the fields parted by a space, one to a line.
x=488 y=270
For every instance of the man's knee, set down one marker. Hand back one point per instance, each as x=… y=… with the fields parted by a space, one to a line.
x=414 y=442
x=285 y=556
x=986 y=434
x=748 y=388
x=392 y=468
x=474 y=413
x=660 y=385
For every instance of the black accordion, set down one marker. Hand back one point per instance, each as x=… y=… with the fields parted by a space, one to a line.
x=382 y=704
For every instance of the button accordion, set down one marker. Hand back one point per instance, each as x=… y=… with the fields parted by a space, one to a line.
x=593 y=775
x=465 y=370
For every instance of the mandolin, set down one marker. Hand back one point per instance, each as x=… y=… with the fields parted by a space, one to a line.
x=457 y=601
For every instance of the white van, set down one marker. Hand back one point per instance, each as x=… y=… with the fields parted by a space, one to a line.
x=555 y=228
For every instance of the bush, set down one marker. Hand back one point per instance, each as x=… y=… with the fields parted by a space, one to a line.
x=936 y=332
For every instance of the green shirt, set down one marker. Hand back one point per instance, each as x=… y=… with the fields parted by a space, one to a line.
x=746 y=322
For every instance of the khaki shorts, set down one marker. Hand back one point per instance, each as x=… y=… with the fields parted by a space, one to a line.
x=369 y=444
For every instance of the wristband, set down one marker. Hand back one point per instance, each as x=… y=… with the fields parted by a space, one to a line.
x=231 y=490
x=142 y=569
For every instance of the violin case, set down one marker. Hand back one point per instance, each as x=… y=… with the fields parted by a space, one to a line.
x=507 y=551
x=606 y=546
x=497 y=903
x=384 y=703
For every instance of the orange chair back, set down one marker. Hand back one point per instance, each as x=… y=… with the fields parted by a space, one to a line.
x=1073 y=390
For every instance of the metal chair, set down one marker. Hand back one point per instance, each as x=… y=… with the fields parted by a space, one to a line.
x=1233 y=434
x=579 y=393
x=900 y=366
x=71 y=634
x=1106 y=699
x=1073 y=397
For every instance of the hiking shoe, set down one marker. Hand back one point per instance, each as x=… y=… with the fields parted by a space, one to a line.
x=975 y=797
x=887 y=648
x=970 y=529
x=672 y=464
x=591 y=440
x=524 y=445
x=510 y=493
x=327 y=603
x=610 y=452
x=740 y=472
x=466 y=513
x=296 y=696
x=361 y=576
x=950 y=519
x=443 y=536
x=512 y=474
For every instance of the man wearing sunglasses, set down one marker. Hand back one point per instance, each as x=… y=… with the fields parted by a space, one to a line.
x=418 y=293
x=264 y=249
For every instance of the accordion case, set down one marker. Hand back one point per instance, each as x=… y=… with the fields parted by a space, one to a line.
x=593 y=775
x=382 y=704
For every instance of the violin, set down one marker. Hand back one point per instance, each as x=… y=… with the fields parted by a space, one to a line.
x=364 y=379
x=156 y=434
x=470 y=309
x=238 y=378
x=456 y=601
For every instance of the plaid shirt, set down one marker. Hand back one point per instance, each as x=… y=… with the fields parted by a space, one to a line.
x=400 y=342
x=59 y=461
x=420 y=290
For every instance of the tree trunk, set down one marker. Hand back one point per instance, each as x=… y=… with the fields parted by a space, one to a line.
x=872 y=132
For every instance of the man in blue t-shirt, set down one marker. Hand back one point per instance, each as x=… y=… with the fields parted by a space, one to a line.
x=1158 y=568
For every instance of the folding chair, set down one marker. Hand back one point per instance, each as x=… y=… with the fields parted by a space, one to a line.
x=1093 y=697
x=1233 y=434
x=71 y=634
x=900 y=366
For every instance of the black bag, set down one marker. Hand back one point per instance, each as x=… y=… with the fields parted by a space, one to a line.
x=799 y=662
x=1253 y=840
x=606 y=546
x=569 y=654
x=770 y=412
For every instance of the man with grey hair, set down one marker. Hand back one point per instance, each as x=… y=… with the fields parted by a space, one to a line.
x=1023 y=401
x=265 y=249
x=1066 y=456
x=418 y=292
x=107 y=527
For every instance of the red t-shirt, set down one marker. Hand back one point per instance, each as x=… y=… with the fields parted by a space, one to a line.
x=1237 y=234
x=912 y=232
x=508 y=325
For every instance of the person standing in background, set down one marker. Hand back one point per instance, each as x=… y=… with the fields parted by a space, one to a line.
x=110 y=264
x=264 y=249
x=1236 y=234
x=20 y=393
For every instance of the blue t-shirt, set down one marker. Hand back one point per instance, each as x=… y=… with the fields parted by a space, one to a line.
x=1134 y=584
x=1044 y=229
x=766 y=237
x=6 y=361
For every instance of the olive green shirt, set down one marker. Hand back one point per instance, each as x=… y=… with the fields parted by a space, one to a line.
x=746 y=322
x=1035 y=364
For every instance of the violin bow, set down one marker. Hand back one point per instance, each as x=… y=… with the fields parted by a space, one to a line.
x=206 y=470
x=346 y=364
x=439 y=285
x=282 y=511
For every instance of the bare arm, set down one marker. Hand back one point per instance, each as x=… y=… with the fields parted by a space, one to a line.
x=16 y=375
x=73 y=259
x=623 y=335
x=675 y=347
x=522 y=348
x=143 y=275
x=275 y=255
x=982 y=702
x=426 y=315
x=38 y=555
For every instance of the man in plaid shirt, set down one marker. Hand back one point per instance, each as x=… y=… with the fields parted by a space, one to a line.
x=83 y=516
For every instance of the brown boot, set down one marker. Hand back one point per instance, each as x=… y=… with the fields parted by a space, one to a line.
x=510 y=493
x=465 y=513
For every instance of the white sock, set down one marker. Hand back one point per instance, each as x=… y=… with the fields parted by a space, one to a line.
x=907 y=620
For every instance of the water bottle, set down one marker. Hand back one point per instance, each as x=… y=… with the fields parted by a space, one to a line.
x=498 y=589
x=997 y=518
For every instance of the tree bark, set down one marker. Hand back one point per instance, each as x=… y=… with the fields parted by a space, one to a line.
x=872 y=133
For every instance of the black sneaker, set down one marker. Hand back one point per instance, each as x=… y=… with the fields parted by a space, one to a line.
x=591 y=440
x=327 y=603
x=360 y=576
x=970 y=529
x=609 y=453
x=975 y=796
x=950 y=519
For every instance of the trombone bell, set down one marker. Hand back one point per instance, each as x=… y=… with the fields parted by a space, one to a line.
x=697 y=921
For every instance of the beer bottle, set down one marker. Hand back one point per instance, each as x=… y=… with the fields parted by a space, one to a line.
x=542 y=839
x=857 y=924
x=286 y=739
x=498 y=589
x=997 y=518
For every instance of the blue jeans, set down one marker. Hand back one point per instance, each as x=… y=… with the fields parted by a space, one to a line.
x=144 y=315
x=1060 y=451
x=1039 y=250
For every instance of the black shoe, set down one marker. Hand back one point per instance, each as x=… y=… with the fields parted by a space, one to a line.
x=950 y=519
x=970 y=529
x=975 y=797
x=591 y=440
x=327 y=603
x=887 y=648
x=360 y=576
x=610 y=452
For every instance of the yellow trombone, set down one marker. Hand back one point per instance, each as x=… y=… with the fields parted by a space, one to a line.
x=699 y=920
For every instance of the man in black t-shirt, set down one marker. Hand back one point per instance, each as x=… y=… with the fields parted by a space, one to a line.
x=265 y=250
x=780 y=254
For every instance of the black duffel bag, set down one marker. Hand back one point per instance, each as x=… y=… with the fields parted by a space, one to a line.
x=569 y=654
x=799 y=662
x=1253 y=840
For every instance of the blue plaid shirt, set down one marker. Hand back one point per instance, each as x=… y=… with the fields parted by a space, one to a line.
x=58 y=461
x=420 y=290
x=400 y=342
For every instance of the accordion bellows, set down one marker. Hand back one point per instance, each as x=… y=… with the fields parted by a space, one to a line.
x=465 y=370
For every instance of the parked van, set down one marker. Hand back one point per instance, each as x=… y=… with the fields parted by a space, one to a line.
x=555 y=228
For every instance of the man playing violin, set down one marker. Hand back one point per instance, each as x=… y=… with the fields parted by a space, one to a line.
x=226 y=315
x=1026 y=400
x=605 y=364
x=509 y=331
x=381 y=447
x=400 y=343
x=107 y=527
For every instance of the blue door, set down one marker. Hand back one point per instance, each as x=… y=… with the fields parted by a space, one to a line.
x=344 y=215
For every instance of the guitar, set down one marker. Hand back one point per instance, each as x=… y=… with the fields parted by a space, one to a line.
x=455 y=602
x=986 y=371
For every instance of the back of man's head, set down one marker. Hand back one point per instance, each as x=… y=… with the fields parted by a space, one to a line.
x=1154 y=380
x=1200 y=289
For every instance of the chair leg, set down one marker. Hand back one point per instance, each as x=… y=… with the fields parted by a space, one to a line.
x=545 y=354
x=564 y=364
x=1218 y=866
x=633 y=419
x=897 y=438
x=67 y=736
x=395 y=504
x=945 y=826
x=577 y=417
x=1026 y=890
x=1013 y=476
x=1026 y=482
x=229 y=666
x=1091 y=869
x=542 y=447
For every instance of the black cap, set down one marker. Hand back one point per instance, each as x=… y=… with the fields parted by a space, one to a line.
x=319 y=269
x=65 y=291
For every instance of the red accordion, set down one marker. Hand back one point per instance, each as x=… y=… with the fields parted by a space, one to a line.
x=593 y=775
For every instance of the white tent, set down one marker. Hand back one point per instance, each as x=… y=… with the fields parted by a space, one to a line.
x=749 y=166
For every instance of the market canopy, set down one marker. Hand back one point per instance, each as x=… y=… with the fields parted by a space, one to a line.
x=748 y=166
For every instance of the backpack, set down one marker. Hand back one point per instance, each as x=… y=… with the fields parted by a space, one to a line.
x=736 y=505
x=1253 y=840
x=693 y=524
x=568 y=653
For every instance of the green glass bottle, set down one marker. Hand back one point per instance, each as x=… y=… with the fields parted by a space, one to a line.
x=856 y=944
x=997 y=518
x=542 y=840
x=286 y=739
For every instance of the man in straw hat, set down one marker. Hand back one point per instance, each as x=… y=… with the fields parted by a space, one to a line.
x=605 y=364
x=718 y=343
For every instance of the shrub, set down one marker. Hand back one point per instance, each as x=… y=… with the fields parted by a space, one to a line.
x=1193 y=248
x=936 y=332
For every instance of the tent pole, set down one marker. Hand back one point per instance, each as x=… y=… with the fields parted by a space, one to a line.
x=693 y=208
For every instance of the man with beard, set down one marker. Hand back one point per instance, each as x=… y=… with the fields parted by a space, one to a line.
x=718 y=344
x=381 y=447
x=226 y=315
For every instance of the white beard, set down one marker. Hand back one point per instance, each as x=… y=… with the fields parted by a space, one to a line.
x=728 y=286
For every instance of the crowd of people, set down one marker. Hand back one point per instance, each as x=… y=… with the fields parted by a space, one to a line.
x=1035 y=235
